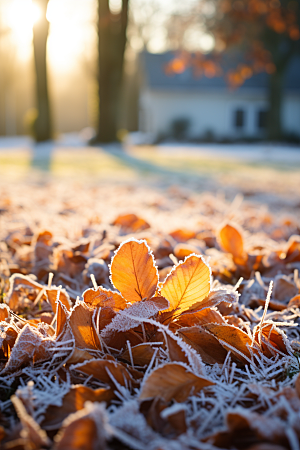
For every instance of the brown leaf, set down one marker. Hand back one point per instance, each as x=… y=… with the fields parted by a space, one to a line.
x=52 y=295
x=284 y=289
x=211 y=351
x=231 y=241
x=295 y=301
x=131 y=222
x=236 y=338
x=206 y=315
x=182 y=234
x=187 y=284
x=8 y=336
x=86 y=429
x=30 y=347
x=35 y=438
x=133 y=271
x=173 y=381
x=103 y=297
x=83 y=328
x=79 y=356
x=4 y=312
x=74 y=401
x=272 y=339
x=20 y=285
x=109 y=372
x=141 y=354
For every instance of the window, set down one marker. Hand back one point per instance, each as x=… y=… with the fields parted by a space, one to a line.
x=262 y=119
x=239 y=118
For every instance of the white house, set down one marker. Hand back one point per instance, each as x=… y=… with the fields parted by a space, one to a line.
x=207 y=107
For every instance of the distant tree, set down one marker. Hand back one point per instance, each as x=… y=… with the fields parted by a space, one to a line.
x=111 y=28
x=43 y=128
x=267 y=32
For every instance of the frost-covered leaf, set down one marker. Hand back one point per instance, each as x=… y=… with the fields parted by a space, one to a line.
x=83 y=329
x=173 y=381
x=187 y=284
x=104 y=298
x=133 y=271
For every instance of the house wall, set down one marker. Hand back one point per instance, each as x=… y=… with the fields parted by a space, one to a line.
x=291 y=114
x=210 y=111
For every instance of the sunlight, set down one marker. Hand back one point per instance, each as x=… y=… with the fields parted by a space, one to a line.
x=21 y=16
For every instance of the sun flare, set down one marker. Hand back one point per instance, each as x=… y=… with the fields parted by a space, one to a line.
x=21 y=16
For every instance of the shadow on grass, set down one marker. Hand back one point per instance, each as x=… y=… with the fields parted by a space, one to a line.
x=148 y=167
x=42 y=156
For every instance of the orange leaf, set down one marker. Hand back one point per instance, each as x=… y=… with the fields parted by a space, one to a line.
x=232 y=241
x=103 y=297
x=108 y=372
x=133 y=271
x=74 y=401
x=182 y=234
x=141 y=354
x=173 y=381
x=187 y=284
x=236 y=338
x=131 y=222
x=86 y=429
x=206 y=315
x=211 y=351
x=4 y=312
x=30 y=347
x=83 y=328
x=52 y=295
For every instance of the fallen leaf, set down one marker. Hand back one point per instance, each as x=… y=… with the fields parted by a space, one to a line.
x=86 y=429
x=74 y=401
x=131 y=222
x=83 y=328
x=109 y=372
x=103 y=297
x=187 y=284
x=133 y=271
x=231 y=241
x=173 y=381
x=236 y=338
x=141 y=354
x=209 y=348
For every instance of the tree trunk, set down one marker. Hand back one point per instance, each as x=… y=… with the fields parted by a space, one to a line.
x=111 y=48
x=43 y=128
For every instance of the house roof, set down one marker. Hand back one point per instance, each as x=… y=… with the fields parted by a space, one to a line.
x=156 y=76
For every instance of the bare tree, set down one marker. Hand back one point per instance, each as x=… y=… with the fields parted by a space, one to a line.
x=111 y=47
x=43 y=127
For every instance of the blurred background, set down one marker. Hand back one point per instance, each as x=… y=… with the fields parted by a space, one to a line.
x=199 y=70
x=157 y=86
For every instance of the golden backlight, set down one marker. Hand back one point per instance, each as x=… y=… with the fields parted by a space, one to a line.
x=21 y=16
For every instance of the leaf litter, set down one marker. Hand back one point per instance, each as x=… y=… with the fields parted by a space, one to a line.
x=122 y=330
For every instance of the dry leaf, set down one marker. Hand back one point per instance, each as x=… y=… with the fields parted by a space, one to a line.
x=141 y=354
x=207 y=346
x=133 y=271
x=74 y=401
x=86 y=429
x=83 y=328
x=187 y=284
x=182 y=234
x=131 y=222
x=103 y=297
x=35 y=438
x=109 y=372
x=173 y=381
x=236 y=338
x=231 y=241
